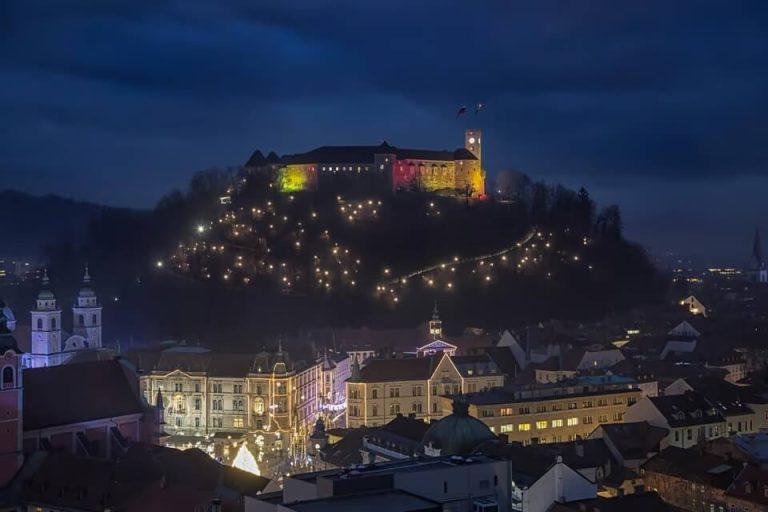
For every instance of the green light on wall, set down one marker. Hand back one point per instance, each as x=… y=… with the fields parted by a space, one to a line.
x=292 y=179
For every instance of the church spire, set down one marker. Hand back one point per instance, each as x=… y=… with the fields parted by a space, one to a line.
x=87 y=276
x=757 y=251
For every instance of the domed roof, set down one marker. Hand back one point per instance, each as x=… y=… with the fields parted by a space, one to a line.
x=45 y=293
x=458 y=433
x=86 y=290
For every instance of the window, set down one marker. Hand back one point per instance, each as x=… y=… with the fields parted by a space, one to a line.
x=434 y=406
x=505 y=411
x=557 y=423
x=571 y=422
x=603 y=418
x=375 y=393
x=374 y=411
x=445 y=486
x=53 y=323
x=541 y=425
x=394 y=409
x=237 y=422
x=8 y=380
x=524 y=410
x=587 y=420
x=571 y=405
x=541 y=408
x=80 y=320
x=238 y=388
x=507 y=428
x=178 y=387
x=93 y=319
x=416 y=407
x=677 y=436
x=178 y=421
x=197 y=404
x=524 y=427
x=618 y=416
x=197 y=422
x=217 y=388
x=258 y=405
x=40 y=327
x=586 y=403
x=394 y=392
x=416 y=390
x=602 y=402
x=197 y=387
x=689 y=434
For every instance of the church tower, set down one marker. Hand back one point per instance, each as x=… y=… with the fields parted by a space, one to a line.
x=757 y=271
x=473 y=143
x=436 y=325
x=46 y=328
x=86 y=314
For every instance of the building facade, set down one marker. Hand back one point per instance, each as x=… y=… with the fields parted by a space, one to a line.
x=378 y=168
x=49 y=348
x=205 y=393
x=551 y=414
x=385 y=388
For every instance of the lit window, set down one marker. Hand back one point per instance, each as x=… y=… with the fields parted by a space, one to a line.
x=507 y=428
x=541 y=425
x=524 y=427
x=557 y=423
x=573 y=421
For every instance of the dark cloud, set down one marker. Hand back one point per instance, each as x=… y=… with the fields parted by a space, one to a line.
x=120 y=101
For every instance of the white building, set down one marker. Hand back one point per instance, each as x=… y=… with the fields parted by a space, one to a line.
x=47 y=348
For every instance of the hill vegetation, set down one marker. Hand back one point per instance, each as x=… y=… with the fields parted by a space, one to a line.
x=270 y=263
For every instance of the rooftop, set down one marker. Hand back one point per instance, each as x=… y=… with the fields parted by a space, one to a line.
x=54 y=395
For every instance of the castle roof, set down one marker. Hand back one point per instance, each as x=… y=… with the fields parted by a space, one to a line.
x=360 y=154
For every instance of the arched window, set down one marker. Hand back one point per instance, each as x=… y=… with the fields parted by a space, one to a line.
x=8 y=377
x=81 y=320
x=93 y=319
x=53 y=324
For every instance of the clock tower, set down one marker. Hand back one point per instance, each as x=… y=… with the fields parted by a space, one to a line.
x=473 y=142
x=46 y=328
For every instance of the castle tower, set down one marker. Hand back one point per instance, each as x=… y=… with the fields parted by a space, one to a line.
x=86 y=314
x=757 y=271
x=436 y=325
x=11 y=399
x=46 y=328
x=473 y=143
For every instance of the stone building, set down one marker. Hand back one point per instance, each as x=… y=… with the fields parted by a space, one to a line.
x=205 y=393
x=378 y=168
x=386 y=387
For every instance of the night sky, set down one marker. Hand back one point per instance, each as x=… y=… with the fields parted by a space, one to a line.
x=659 y=106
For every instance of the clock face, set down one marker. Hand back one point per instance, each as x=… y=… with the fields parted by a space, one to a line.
x=471 y=140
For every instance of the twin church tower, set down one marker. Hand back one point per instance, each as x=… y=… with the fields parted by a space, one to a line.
x=48 y=347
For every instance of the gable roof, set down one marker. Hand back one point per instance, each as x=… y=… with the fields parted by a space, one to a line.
x=74 y=393
x=687 y=409
x=693 y=465
x=634 y=440
x=405 y=369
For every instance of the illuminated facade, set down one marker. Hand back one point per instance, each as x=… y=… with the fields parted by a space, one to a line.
x=550 y=414
x=379 y=168
x=48 y=346
x=388 y=387
x=206 y=393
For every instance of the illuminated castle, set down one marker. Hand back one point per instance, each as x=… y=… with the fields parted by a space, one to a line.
x=378 y=168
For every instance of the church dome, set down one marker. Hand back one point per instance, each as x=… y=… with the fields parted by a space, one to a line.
x=45 y=295
x=458 y=433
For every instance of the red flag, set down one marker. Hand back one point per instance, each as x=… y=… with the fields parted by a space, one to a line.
x=462 y=110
